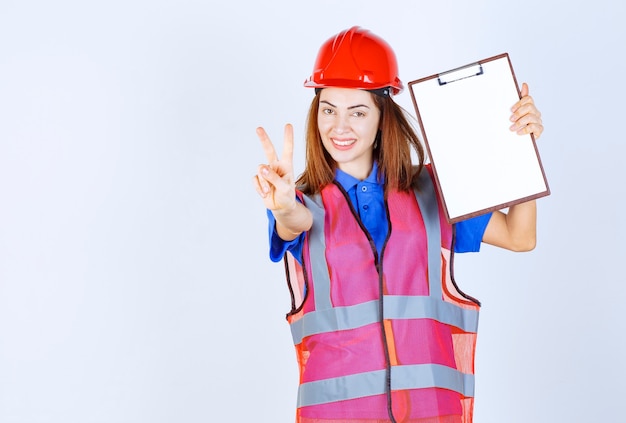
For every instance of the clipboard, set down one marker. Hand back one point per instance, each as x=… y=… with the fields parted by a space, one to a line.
x=479 y=164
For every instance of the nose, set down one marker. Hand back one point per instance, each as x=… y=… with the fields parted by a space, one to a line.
x=342 y=125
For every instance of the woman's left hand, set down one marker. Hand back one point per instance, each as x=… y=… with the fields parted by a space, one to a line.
x=526 y=118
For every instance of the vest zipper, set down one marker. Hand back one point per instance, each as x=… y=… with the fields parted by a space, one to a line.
x=381 y=291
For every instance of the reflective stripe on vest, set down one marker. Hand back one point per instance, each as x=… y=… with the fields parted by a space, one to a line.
x=414 y=376
x=401 y=307
x=324 y=318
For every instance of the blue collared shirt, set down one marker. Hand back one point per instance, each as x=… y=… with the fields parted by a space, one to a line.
x=367 y=197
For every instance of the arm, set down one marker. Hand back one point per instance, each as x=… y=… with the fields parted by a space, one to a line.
x=516 y=230
x=275 y=184
x=292 y=222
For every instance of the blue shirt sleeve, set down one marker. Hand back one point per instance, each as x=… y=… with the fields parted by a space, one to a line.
x=278 y=246
x=469 y=233
x=469 y=236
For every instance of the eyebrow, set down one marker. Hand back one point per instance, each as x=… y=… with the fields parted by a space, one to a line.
x=349 y=108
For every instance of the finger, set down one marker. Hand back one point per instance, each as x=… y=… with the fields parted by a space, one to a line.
x=524 y=98
x=534 y=128
x=537 y=130
x=270 y=179
x=528 y=124
x=287 y=155
x=524 y=123
x=266 y=143
x=525 y=108
x=524 y=92
x=257 y=186
x=262 y=179
x=527 y=119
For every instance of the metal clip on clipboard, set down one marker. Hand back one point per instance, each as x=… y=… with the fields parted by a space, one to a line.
x=457 y=74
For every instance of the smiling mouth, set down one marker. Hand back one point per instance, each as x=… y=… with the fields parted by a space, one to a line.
x=343 y=143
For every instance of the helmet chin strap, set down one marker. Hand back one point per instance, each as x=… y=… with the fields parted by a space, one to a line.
x=382 y=92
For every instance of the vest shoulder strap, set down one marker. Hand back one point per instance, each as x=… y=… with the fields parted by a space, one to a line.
x=427 y=201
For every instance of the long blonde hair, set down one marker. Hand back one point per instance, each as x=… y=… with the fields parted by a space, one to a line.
x=392 y=151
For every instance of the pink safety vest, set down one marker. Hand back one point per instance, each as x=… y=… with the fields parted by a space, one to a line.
x=381 y=339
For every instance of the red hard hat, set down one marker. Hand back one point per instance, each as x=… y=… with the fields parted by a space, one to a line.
x=356 y=58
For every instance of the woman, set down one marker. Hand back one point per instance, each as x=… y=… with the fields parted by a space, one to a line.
x=382 y=332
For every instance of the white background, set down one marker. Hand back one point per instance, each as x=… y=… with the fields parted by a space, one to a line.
x=135 y=284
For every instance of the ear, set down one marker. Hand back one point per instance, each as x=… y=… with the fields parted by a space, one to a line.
x=378 y=139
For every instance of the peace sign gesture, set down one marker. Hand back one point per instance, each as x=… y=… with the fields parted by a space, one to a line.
x=274 y=181
x=275 y=184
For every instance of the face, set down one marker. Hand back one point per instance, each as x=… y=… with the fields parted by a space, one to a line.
x=348 y=120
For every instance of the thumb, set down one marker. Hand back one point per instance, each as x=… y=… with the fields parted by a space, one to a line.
x=524 y=92
x=271 y=175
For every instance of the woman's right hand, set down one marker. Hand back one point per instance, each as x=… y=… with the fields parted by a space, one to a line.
x=274 y=181
x=275 y=184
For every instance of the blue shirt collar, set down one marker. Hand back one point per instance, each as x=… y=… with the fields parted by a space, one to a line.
x=348 y=182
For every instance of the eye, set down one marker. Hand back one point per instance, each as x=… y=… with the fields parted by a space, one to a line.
x=327 y=111
x=358 y=114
